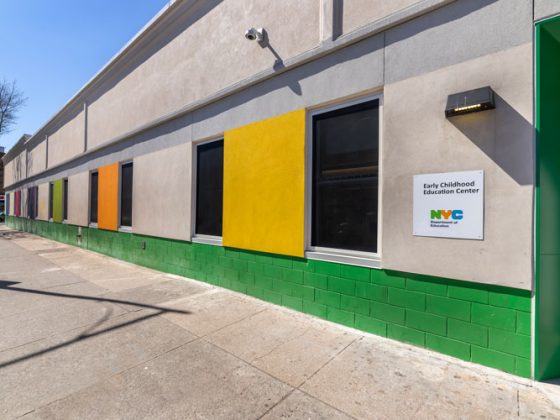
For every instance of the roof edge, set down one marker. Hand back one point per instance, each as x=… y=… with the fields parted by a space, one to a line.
x=152 y=23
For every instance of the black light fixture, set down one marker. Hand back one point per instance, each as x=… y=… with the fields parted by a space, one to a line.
x=476 y=100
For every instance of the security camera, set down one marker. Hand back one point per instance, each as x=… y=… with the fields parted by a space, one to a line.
x=253 y=34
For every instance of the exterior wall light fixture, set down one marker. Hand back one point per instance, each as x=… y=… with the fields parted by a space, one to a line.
x=476 y=100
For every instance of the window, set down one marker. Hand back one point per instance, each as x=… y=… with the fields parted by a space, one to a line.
x=94 y=177
x=32 y=202
x=51 y=198
x=36 y=198
x=7 y=204
x=209 y=188
x=126 y=194
x=65 y=200
x=344 y=214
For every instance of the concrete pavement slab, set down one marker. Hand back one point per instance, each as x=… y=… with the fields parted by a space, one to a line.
x=150 y=363
x=258 y=335
x=119 y=283
x=302 y=406
x=158 y=293
x=534 y=405
x=36 y=374
x=36 y=243
x=212 y=311
x=35 y=325
x=296 y=360
x=197 y=380
x=109 y=273
x=287 y=345
x=389 y=380
x=7 y=250
x=41 y=279
x=19 y=264
x=14 y=301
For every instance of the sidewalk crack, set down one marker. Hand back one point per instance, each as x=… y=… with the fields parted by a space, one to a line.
x=358 y=338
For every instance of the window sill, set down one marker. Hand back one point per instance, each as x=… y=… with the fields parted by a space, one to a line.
x=372 y=262
x=93 y=225
x=125 y=229
x=207 y=240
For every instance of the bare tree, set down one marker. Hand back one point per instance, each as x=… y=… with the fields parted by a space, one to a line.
x=11 y=100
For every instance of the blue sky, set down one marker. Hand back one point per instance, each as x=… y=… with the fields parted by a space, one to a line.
x=53 y=47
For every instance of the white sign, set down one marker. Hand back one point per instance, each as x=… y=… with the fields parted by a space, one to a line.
x=449 y=205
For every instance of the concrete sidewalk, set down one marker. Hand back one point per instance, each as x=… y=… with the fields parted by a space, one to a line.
x=86 y=336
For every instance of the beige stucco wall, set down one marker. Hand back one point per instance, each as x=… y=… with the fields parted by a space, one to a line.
x=9 y=173
x=11 y=203
x=15 y=170
x=37 y=158
x=546 y=8
x=419 y=139
x=161 y=193
x=78 y=199
x=192 y=65
x=24 y=202
x=68 y=140
x=357 y=13
x=43 y=202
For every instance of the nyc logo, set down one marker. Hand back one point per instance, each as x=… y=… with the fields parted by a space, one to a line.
x=446 y=214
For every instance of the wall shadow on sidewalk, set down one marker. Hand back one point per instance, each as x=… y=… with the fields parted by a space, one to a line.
x=90 y=331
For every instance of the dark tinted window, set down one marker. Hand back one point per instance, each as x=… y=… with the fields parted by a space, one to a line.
x=93 y=197
x=32 y=202
x=209 y=188
x=126 y=194
x=51 y=189
x=36 y=210
x=65 y=200
x=345 y=178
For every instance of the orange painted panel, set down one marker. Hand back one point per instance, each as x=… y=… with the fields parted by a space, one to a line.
x=108 y=197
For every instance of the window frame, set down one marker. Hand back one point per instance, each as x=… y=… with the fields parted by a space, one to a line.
x=200 y=238
x=343 y=256
x=123 y=228
x=90 y=223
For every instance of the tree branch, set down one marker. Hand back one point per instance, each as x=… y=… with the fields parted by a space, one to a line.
x=11 y=100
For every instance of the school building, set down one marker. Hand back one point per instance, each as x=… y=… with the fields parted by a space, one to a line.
x=393 y=166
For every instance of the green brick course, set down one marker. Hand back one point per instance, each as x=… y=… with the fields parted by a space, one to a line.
x=408 y=335
x=488 y=325
x=448 y=346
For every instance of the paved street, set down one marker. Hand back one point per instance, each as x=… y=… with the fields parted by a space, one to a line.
x=86 y=336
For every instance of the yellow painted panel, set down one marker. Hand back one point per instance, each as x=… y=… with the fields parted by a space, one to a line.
x=264 y=181
x=108 y=197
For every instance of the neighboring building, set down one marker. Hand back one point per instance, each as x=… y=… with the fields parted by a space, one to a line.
x=329 y=168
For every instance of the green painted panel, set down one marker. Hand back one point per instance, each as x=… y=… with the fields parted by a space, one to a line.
x=57 y=201
x=547 y=200
x=425 y=311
